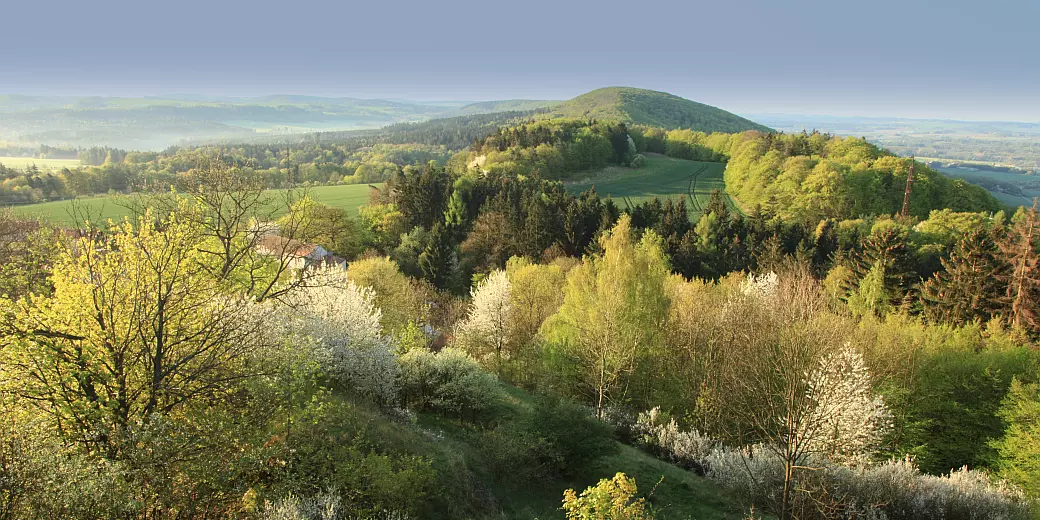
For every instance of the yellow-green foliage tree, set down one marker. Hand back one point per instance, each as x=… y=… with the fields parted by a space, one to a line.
x=137 y=328
x=612 y=499
x=610 y=325
x=401 y=299
x=324 y=225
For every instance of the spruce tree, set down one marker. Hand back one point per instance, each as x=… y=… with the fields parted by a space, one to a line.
x=888 y=249
x=972 y=284
x=1023 y=279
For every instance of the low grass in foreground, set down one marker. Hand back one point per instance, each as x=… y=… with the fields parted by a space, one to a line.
x=661 y=176
x=348 y=197
x=676 y=494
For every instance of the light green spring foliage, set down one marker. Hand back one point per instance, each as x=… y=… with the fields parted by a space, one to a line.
x=382 y=225
x=613 y=311
x=1019 y=449
x=871 y=297
x=812 y=176
x=324 y=225
x=139 y=329
x=612 y=499
x=401 y=299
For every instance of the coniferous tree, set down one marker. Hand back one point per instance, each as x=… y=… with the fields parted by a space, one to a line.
x=888 y=249
x=438 y=261
x=972 y=284
x=1023 y=280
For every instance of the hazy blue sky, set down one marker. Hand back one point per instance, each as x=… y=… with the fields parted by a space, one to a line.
x=953 y=58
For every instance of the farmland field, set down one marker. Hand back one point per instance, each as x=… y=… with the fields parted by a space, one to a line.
x=43 y=164
x=348 y=197
x=662 y=177
x=1013 y=189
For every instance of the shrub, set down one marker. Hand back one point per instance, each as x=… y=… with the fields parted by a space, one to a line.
x=687 y=449
x=575 y=437
x=324 y=506
x=449 y=381
x=516 y=454
x=896 y=490
x=373 y=464
x=341 y=322
x=40 y=478
x=609 y=500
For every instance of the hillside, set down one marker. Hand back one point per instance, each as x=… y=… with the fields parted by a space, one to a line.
x=650 y=107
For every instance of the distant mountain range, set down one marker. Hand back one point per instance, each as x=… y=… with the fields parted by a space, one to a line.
x=152 y=123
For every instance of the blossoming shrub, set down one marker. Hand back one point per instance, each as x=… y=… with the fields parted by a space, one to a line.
x=895 y=490
x=831 y=488
x=688 y=449
x=340 y=322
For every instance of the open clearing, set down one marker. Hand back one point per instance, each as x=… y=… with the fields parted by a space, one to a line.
x=348 y=197
x=662 y=177
x=43 y=164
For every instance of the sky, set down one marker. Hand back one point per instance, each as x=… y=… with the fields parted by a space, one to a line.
x=954 y=59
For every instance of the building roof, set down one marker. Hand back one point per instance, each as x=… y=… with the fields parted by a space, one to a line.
x=275 y=244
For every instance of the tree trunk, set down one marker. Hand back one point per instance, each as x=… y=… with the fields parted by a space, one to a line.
x=785 y=505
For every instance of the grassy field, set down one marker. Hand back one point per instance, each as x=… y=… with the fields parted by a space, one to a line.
x=1028 y=184
x=348 y=197
x=661 y=177
x=43 y=164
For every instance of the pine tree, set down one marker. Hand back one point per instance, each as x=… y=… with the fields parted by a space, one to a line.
x=972 y=284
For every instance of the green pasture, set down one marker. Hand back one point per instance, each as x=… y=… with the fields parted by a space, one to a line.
x=662 y=177
x=43 y=164
x=349 y=197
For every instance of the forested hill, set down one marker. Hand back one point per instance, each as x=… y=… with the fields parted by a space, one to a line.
x=650 y=107
x=508 y=105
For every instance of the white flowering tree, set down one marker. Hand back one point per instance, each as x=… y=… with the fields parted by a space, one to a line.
x=485 y=331
x=846 y=422
x=341 y=321
x=762 y=286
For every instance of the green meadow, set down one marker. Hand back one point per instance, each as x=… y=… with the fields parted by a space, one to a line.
x=348 y=197
x=661 y=176
x=43 y=164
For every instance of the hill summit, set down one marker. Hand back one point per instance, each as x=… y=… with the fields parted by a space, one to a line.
x=650 y=107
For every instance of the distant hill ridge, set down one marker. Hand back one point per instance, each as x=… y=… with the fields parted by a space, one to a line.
x=650 y=107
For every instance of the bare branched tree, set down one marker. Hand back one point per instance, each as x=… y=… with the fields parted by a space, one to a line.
x=235 y=212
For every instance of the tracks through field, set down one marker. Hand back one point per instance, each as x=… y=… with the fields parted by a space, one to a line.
x=692 y=191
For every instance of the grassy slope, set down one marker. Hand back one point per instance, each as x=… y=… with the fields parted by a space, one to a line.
x=348 y=197
x=654 y=108
x=680 y=495
x=661 y=177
